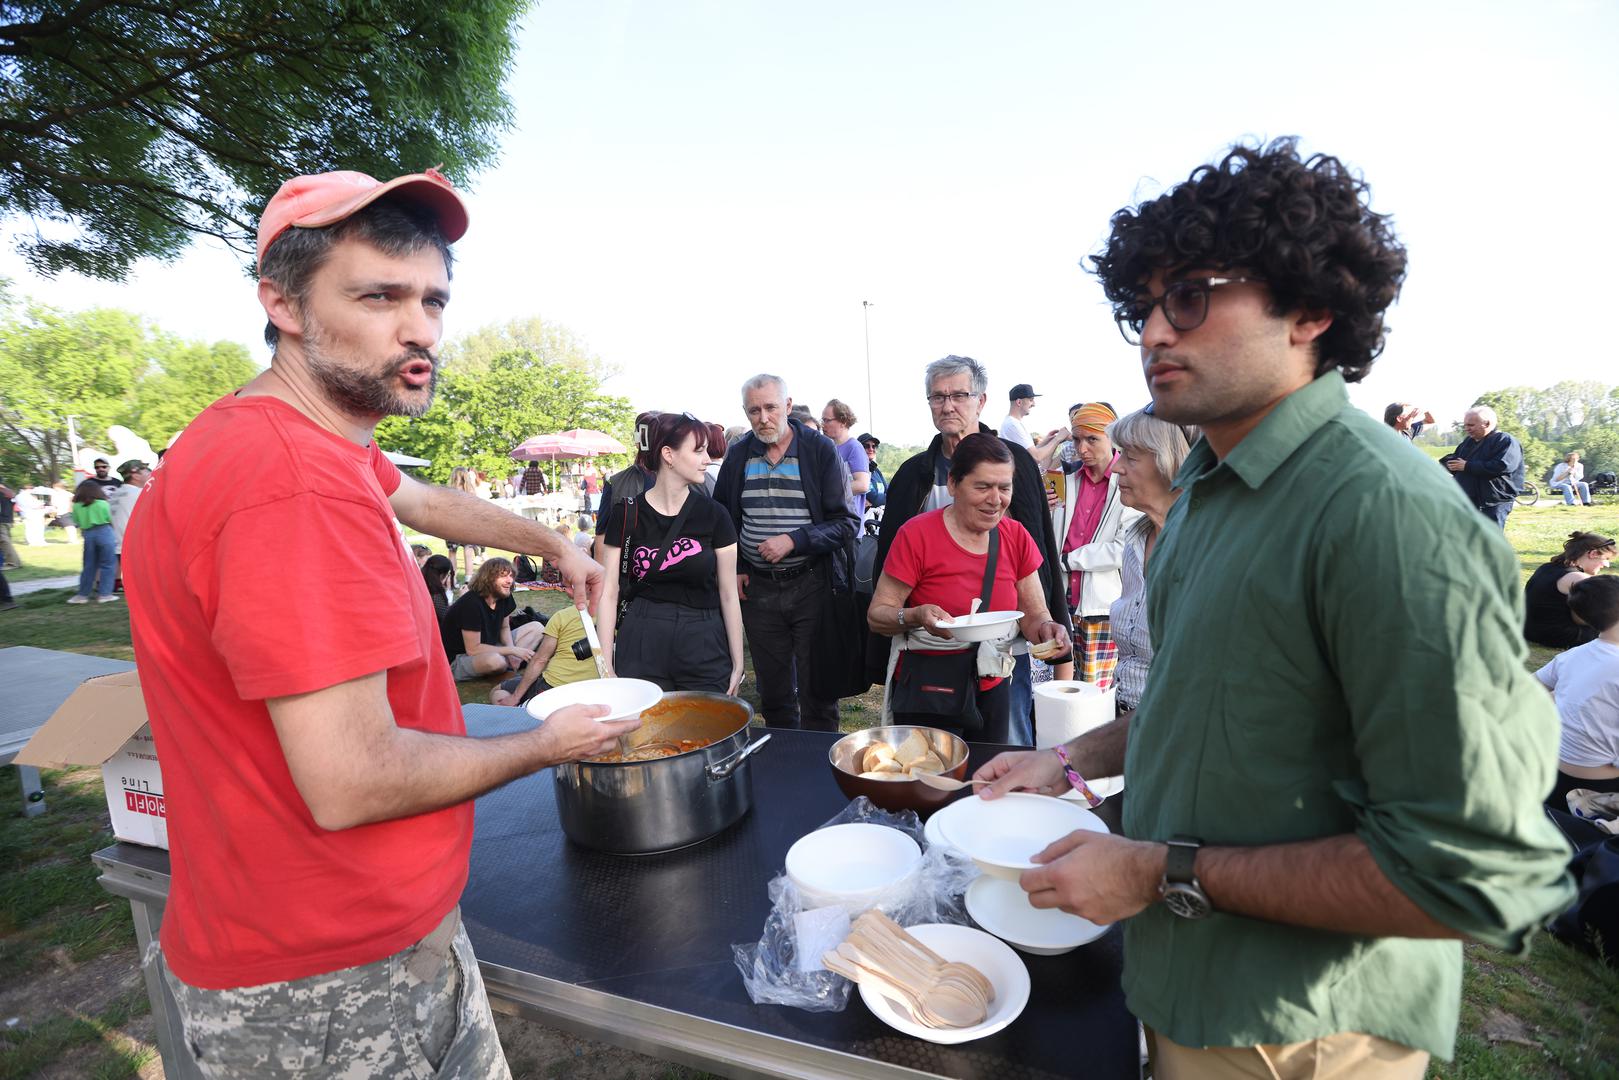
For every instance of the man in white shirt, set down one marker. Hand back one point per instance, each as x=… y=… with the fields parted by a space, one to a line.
x=1014 y=430
x=1585 y=683
x=121 y=501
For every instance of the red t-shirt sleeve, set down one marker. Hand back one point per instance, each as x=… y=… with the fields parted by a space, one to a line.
x=387 y=472
x=904 y=562
x=290 y=599
x=1017 y=542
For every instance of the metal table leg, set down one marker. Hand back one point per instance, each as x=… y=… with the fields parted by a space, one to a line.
x=33 y=795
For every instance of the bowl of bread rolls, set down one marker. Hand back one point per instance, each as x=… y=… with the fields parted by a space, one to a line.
x=882 y=763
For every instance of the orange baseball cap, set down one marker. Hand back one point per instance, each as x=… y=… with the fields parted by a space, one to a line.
x=309 y=202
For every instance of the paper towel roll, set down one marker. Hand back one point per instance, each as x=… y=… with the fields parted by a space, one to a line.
x=1066 y=708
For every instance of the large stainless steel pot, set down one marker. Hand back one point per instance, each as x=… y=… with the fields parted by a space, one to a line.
x=636 y=807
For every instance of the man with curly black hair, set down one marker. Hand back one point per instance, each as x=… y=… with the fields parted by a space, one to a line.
x=1334 y=774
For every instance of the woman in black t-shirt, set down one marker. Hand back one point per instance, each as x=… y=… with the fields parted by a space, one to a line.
x=1546 y=618
x=683 y=626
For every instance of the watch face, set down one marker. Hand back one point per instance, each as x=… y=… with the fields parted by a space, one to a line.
x=1187 y=901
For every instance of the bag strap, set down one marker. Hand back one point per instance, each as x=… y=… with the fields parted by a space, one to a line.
x=669 y=542
x=989 y=569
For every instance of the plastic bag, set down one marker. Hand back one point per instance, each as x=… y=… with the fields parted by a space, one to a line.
x=770 y=966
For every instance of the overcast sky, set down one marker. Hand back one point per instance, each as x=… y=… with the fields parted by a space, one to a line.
x=705 y=190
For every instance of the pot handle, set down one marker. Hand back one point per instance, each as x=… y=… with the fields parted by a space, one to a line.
x=722 y=770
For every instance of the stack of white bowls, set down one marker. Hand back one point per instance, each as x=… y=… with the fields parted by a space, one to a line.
x=852 y=866
x=1001 y=836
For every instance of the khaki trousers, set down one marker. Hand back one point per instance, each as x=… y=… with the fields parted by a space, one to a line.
x=1335 y=1057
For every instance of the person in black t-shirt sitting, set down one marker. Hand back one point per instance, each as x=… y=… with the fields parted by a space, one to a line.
x=672 y=551
x=477 y=628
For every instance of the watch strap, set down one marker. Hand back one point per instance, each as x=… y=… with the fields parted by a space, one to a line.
x=1182 y=858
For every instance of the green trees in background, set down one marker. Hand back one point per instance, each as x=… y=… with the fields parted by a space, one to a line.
x=128 y=127
x=102 y=367
x=503 y=384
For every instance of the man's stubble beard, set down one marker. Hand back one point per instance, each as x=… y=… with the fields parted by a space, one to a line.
x=364 y=394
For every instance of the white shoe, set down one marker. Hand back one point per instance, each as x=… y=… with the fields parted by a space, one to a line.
x=78 y=599
x=108 y=599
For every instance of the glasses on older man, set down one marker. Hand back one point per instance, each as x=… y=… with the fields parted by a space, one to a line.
x=958 y=399
x=1185 y=303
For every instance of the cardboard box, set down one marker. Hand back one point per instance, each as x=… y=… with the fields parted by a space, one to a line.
x=103 y=723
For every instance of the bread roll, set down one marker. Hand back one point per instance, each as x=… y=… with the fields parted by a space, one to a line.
x=912 y=748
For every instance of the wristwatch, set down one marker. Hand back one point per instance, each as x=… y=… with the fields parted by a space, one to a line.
x=1181 y=891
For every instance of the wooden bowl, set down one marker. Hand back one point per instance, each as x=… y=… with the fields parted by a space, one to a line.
x=897 y=794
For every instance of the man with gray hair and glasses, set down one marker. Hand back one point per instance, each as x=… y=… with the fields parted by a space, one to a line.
x=1488 y=465
x=787 y=492
x=957 y=387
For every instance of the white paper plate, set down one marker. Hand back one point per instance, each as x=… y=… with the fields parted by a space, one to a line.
x=1105 y=788
x=984 y=626
x=1003 y=908
x=624 y=698
x=1001 y=966
x=1002 y=835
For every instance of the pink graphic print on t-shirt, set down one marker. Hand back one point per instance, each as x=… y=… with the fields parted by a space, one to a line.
x=684 y=548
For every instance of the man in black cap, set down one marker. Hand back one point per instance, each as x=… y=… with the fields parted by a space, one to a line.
x=877 y=493
x=1013 y=429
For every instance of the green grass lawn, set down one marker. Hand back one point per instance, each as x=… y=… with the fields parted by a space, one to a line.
x=56 y=558
x=1554 y=1013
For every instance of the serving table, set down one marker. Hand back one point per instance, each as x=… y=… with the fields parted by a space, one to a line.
x=636 y=950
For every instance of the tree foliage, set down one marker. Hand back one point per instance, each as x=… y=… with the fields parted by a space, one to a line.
x=547 y=341
x=483 y=410
x=127 y=127
x=101 y=367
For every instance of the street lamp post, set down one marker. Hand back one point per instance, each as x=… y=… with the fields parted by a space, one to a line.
x=871 y=402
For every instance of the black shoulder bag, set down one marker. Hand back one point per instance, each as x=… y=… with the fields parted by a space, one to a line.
x=626 y=553
x=945 y=684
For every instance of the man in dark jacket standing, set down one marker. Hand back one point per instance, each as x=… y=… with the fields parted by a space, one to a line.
x=1488 y=464
x=788 y=494
x=957 y=387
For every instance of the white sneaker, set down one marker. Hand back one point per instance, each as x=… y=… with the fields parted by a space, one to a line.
x=78 y=599
x=108 y=599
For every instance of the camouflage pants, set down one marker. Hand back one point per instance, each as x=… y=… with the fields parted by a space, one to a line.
x=421 y=1012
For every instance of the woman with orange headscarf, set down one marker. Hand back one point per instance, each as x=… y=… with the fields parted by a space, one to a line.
x=1090 y=523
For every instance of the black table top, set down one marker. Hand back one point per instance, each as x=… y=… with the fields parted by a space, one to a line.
x=658 y=929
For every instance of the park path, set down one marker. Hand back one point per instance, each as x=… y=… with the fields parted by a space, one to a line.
x=23 y=588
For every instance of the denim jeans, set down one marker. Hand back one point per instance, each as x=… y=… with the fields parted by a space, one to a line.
x=1497 y=512
x=100 y=557
x=1567 y=491
x=781 y=619
x=1020 y=726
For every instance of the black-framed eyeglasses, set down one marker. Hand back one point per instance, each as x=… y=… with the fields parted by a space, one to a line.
x=959 y=398
x=1185 y=303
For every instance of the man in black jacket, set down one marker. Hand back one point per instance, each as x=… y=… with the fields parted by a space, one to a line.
x=1488 y=464
x=957 y=389
x=788 y=494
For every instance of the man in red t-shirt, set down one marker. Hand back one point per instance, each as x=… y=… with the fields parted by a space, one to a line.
x=317 y=772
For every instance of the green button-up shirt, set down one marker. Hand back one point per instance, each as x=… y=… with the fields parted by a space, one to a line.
x=1338 y=649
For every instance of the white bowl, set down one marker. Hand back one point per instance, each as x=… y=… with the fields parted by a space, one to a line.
x=1003 y=835
x=624 y=698
x=1000 y=965
x=851 y=865
x=984 y=626
x=1003 y=908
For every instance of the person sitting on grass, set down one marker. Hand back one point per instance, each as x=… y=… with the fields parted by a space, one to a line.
x=1584 y=681
x=477 y=628
x=1547 y=620
x=93 y=516
x=438 y=574
x=555 y=663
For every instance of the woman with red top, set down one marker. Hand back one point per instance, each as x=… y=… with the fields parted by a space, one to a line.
x=1091 y=521
x=933 y=573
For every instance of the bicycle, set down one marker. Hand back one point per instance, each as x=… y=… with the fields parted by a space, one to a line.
x=1528 y=495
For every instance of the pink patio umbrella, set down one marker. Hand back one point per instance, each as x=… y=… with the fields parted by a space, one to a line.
x=604 y=443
